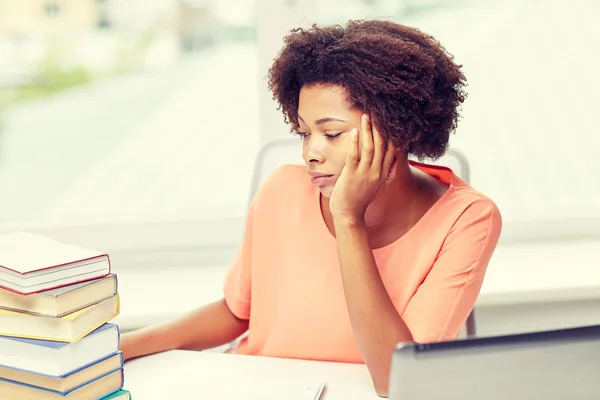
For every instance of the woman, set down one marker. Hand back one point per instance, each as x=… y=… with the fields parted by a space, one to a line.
x=362 y=248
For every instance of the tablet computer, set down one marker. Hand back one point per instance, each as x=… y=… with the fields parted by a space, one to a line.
x=558 y=364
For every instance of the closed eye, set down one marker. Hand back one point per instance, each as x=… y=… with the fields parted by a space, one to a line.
x=303 y=135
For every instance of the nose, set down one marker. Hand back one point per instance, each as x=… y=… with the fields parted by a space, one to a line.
x=314 y=150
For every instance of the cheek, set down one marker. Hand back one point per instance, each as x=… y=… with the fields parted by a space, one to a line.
x=340 y=161
x=342 y=150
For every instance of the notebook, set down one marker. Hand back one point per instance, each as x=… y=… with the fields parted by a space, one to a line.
x=32 y=263
x=227 y=388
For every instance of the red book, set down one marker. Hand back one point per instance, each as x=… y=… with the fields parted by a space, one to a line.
x=31 y=263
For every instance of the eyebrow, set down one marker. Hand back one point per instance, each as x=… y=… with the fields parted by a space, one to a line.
x=324 y=120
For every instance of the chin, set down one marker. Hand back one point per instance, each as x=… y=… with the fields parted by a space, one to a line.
x=326 y=191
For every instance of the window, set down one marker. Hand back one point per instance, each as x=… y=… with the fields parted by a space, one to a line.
x=103 y=22
x=134 y=138
x=52 y=9
x=103 y=14
x=142 y=137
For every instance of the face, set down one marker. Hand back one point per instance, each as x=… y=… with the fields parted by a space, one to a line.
x=325 y=126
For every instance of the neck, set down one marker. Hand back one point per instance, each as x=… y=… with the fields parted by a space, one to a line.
x=398 y=194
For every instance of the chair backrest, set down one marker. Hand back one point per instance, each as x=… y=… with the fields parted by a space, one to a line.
x=273 y=155
x=289 y=151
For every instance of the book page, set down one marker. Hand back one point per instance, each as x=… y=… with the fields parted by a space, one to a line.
x=24 y=252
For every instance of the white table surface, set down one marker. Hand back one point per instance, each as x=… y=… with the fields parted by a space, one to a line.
x=216 y=376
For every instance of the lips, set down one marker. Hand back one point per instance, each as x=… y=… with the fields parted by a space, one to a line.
x=321 y=179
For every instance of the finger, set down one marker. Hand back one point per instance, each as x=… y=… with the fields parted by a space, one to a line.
x=366 y=144
x=352 y=158
x=379 y=152
x=390 y=157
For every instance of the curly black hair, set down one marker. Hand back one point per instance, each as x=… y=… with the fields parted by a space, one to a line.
x=405 y=78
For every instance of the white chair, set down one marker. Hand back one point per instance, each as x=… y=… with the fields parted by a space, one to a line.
x=273 y=155
x=289 y=151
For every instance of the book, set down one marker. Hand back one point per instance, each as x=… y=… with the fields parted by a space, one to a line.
x=66 y=383
x=68 y=328
x=62 y=301
x=120 y=395
x=31 y=263
x=98 y=388
x=58 y=359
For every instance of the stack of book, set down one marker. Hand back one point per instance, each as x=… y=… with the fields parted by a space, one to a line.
x=56 y=341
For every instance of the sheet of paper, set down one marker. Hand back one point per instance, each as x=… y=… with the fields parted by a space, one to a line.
x=227 y=388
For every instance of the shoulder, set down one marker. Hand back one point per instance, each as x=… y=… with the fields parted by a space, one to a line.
x=285 y=174
x=462 y=203
x=470 y=211
x=284 y=183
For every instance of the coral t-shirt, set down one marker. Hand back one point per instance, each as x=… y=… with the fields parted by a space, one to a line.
x=286 y=279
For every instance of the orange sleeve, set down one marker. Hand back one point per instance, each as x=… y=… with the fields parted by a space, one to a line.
x=238 y=281
x=444 y=300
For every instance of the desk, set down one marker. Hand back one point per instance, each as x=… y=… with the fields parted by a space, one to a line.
x=184 y=374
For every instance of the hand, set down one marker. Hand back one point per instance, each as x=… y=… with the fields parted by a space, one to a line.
x=364 y=173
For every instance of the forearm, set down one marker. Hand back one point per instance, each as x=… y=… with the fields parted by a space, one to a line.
x=209 y=326
x=377 y=325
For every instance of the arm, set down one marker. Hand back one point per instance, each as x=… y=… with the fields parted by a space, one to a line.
x=377 y=325
x=442 y=302
x=209 y=326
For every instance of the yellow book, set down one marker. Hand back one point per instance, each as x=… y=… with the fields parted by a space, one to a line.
x=66 y=383
x=68 y=328
x=62 y=301
x=99 y=388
